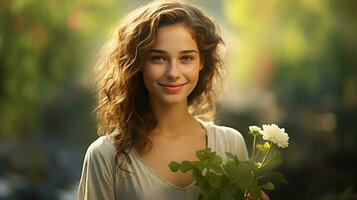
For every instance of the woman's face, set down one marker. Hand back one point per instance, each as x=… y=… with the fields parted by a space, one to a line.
x=172 y=65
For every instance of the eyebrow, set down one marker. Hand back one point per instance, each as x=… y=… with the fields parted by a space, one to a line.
x=165 y=52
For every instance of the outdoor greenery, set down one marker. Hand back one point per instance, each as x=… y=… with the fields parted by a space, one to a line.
x=292 y=63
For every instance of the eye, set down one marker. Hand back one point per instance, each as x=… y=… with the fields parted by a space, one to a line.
x=187 y=59
x=157 y=59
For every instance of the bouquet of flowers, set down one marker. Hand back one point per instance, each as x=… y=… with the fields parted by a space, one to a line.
x=236 y=179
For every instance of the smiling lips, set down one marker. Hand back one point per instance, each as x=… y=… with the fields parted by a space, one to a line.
x=172 y=88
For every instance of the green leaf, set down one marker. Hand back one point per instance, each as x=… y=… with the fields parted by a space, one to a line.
x=197 y=175
x=276 y=160
x=218 y=169
x=245 y=180
x=225 y=195
x=232 y=156
x=204 y=154
x=200 y=154
x=255 y=193
x=215 y=160
x=270 y=163
x=214 y=180
x=185 y=166
x=232 y=171
x=274 y=176
x=207 y=151
x=198 y=165
x=245 y=166
x=174 y=166
x=268 y=186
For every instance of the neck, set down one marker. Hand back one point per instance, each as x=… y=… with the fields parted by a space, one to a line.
x=172 y=120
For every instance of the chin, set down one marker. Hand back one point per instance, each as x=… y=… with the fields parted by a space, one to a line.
x=172 y=101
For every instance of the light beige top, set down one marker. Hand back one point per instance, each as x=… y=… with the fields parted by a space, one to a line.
x=100 y=179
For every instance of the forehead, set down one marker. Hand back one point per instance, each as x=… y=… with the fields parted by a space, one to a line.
x=173 y=38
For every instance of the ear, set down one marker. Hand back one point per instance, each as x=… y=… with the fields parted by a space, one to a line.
x=201 y=65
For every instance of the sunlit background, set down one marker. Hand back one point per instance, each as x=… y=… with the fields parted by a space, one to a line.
x=293 y=63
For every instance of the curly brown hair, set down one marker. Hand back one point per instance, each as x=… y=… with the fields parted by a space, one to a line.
x=123 y=103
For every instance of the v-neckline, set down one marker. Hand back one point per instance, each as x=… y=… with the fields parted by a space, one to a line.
x=162 y=179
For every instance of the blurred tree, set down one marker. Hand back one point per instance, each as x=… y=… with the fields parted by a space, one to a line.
x=44 y=48
x=304 y=52
x=299 y=54
x=47 y=50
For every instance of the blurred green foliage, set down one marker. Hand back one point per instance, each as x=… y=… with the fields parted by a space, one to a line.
x=293 y=61
x=44 y=46
x=47 y=50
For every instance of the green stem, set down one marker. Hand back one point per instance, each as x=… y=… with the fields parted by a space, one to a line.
x=266 y=154
x=253 y=151
x=259 y=177
x=265 y=163
x=256 y=155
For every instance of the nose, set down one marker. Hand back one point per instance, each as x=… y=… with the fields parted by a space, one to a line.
x=172 y=72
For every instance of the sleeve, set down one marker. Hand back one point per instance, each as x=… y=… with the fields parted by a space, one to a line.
x=97 y=180
x=238 y=144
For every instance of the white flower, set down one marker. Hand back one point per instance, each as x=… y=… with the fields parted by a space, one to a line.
x=275 y=134
x=254 y=129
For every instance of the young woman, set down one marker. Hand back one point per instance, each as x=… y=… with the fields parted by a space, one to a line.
x=156 y=81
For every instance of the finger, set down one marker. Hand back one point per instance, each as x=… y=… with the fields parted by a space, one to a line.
x=247 y=196
x=264 y=196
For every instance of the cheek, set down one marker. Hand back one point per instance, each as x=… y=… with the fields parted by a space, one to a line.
x=151 y=72
x=194 y=70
